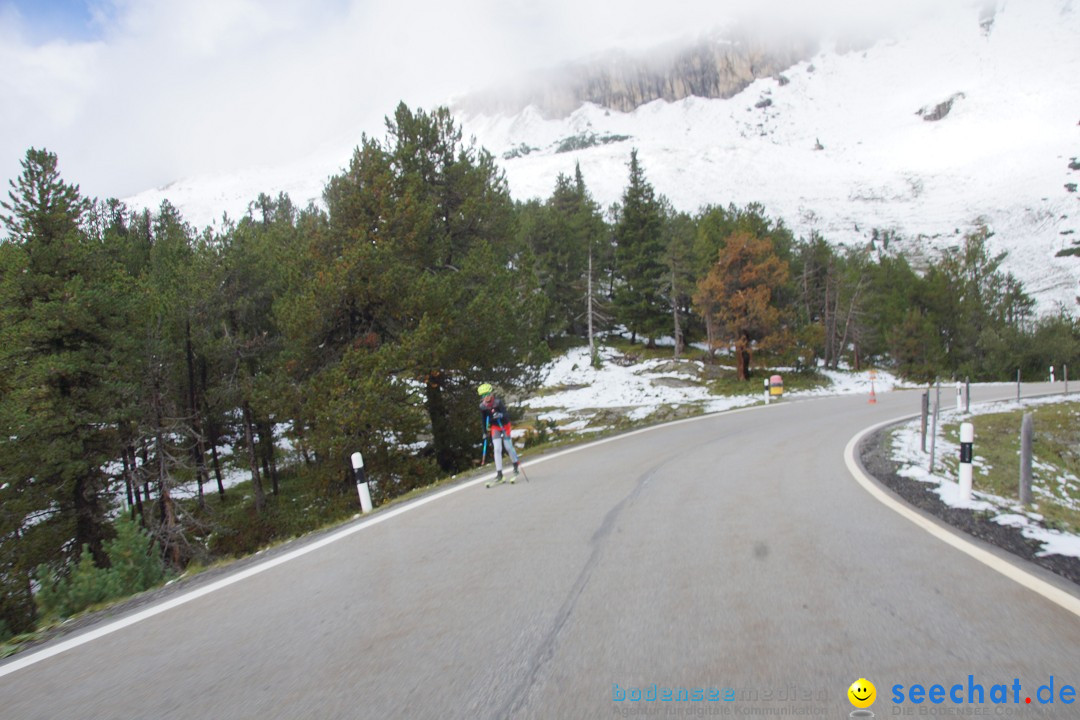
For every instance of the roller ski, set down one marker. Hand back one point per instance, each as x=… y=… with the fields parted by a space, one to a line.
x=500 y=480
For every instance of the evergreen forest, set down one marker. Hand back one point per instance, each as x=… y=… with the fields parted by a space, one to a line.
x=139 y=354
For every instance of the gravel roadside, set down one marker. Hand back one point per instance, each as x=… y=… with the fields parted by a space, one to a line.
x=876 y=458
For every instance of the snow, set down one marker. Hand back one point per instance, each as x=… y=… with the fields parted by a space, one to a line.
x=576 y=388
x=907 y=449
x=999 y=158
x=615 y=386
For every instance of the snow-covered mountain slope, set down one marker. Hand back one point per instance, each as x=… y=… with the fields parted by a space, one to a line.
x=839 y=144
x=1000 y=156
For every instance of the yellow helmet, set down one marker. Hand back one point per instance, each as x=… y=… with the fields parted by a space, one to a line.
x=485 y=389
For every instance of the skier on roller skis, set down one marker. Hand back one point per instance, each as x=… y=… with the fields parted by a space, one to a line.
x=493 y=411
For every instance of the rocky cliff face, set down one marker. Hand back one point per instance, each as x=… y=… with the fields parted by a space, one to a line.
x=710 y=68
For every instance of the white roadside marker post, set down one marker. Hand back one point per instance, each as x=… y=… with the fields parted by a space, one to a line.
x=967 y=440
x=361 y=483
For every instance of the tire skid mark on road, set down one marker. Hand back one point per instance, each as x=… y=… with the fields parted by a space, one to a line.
x=545 y=651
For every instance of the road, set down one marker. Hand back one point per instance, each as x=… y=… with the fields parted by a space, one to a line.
x=733 y=553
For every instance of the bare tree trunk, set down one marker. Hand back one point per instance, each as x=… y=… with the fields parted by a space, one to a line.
x=710 y=333
x=806 y=290
x=130 y=461
x=198 y=453
x=217 y=471
x=90 y=517
x=256 y=480
x=212 y=434
x=592 y=345
x=146 y=479
x=301 y=440
x=675 y=313
x=440 y=419
x=266 y=443
x=836 y=349
x=128 y=488
x=742 y=357
x=827 y=320
x=847 y=323
x=168 y=510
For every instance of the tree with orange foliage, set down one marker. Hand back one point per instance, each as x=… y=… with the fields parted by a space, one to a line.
x=735 y=298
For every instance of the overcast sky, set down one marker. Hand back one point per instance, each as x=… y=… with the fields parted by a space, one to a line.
x=133 y=94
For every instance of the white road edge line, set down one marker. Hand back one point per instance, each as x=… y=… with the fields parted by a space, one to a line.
x=1008 y=569
x=33 y=657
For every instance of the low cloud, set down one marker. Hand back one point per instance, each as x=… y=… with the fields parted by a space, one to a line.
x=157 y=90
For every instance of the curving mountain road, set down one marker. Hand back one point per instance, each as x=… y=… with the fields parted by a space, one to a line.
x=733 y=553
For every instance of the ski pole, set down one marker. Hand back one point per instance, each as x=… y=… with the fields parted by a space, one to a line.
x=483 y=458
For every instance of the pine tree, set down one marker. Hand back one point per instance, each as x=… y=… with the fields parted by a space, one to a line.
x=562 y=233
x=680 y=231
x=591 y=231
x=639 y=257
x=64 y=315
x=425 y=290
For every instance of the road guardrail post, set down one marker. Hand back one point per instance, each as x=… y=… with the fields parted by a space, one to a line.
x=967 y=442
x=362 y=488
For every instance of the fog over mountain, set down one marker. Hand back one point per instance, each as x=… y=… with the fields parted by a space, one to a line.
x=717 y=66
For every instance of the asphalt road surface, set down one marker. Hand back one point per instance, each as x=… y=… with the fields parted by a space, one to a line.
x=732 y=557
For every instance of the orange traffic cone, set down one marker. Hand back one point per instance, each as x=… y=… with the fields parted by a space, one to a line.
x=873 y=396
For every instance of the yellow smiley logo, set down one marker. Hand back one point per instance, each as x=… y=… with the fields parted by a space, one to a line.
x=862 y=693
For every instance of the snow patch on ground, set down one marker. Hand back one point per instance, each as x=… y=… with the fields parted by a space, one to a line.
x=574 y=390
x=907 y=450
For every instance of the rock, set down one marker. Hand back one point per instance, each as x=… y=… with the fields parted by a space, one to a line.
x=940 y=110
x=686 y=367
x=674 y=382
x=711 y=68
